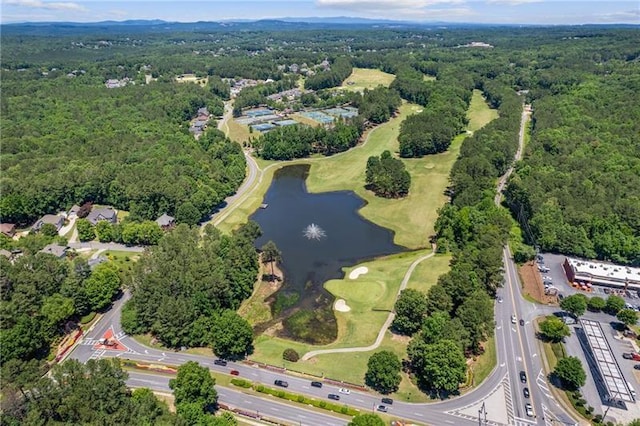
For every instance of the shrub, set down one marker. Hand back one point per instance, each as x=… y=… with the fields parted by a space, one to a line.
x=344 y=409
x=300 y=398
x=322 y=404
x=241 y=383
x=280 y=394
x=260 y=388
x=290 y=355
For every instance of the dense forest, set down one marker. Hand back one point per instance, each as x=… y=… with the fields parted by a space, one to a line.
x=578 y=189
x=182 y=287
x=387 y=176
x=65 y=141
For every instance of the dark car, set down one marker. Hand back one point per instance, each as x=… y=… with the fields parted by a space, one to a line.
x=525 y=392
x=637 y=366
x=316 y=384
x=521 y=322
x=221 y=362
x=387 y=401
x=234 y=372
x=281 y=383
x=381 y=408
x=334 y=397
x=523 y=377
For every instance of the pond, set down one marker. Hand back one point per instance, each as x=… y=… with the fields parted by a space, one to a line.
x=318 y=235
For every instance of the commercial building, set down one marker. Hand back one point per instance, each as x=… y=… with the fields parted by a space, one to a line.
x=585 y=272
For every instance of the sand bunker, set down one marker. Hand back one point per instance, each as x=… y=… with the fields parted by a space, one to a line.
x=357 y=272
x=341 y=306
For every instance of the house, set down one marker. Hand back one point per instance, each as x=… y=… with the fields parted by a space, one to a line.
x=166 y=222
x=8 y=229
x=73 y=211
x=102 y=213
x=54 y=220
x=56 y=250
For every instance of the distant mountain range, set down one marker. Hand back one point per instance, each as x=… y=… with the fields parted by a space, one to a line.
x=280 y=24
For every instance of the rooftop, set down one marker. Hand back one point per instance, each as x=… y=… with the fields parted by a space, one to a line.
x=605 y=271
x=608 y=367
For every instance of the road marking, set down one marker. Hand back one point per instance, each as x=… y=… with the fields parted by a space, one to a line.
x=274 y=409
x=534 y=355
x=449 y=421
x=503 y=364
x=418 y=414
x=146 y=351
x=359 y=400
x=246 y=402
x=163 y=354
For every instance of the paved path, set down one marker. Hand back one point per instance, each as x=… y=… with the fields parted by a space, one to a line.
x=384 y=327
x=93 y=245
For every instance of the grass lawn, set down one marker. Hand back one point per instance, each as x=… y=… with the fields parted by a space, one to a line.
x=485 y=363
x=124 y=260
x=427 y=272
x=237 y=132
x=428 y=78
x=366 y=78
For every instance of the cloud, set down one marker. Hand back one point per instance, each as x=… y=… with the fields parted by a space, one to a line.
x=394 y=9
x=513 y=2
x=631 y=16
x=38 y=4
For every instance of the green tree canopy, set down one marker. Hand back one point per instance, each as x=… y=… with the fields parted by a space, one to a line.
x=387 y=176
x=628 y=317
x=232 y=336
x=576 y=304
x=367 y=419
x=554 y=329
x=410 y=309
x=194 y=385
x=596 y=303
x=102 y=285
x=570 y=372
x=383 y=372
x=86 y=231
x=440 y=367
x=614 y=304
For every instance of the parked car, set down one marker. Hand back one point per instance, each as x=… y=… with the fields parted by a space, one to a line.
x=637 y=366
x=316 y=384
x=281 y=383
x=523 y=377
x=631 y=355
x=334 y=397
x=221 y=362
x=525 y=392
x=529 y=409
x=344 y=391
x=381 y=408
x=389 y=401
x=234 y=372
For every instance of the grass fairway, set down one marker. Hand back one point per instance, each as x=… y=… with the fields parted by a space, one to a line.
x=427 y=272
x=365 y=78
x=479 y=113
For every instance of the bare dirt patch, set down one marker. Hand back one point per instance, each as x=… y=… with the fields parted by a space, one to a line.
x=400 y=338
x=532 y=284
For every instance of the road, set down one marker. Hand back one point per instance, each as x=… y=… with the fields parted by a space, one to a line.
x=516 y=353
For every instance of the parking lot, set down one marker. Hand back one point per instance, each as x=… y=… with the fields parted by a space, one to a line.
x=575 y=345
x=554 y=263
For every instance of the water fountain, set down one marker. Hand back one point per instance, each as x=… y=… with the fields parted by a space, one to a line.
x=314 y=232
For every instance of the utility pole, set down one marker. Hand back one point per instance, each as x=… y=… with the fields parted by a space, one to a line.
x=480 y=417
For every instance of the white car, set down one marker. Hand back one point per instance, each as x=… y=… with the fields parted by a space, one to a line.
x=513 y=319
x=344 y=391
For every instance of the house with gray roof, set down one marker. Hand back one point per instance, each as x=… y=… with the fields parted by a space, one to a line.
x=52 y=219
x=102 y=213
x=165 y=221
x=73 y=211
x=55 y=250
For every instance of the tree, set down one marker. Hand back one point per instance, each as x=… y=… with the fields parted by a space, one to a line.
x=57 y=308
x=438 y=300
x=271 y=255
x=49 y=230
x=476 y=314
x=628 y=317
x=368 y=419
x=387 y=176
x=596 y=304
x=85 y=229
x=614 y=304
x=444 y=366
x=194 y=385
x=232 y=336
x=188 y=213
x=576 y=304
x=104 y=231
x=102 y=285
x=554 y=329
x=410 y=309
x=383 y=372
x=570 y=372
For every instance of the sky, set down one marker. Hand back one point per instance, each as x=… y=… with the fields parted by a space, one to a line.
x=551 y=12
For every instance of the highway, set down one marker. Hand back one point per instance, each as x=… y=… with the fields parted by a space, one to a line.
x=516 y=351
